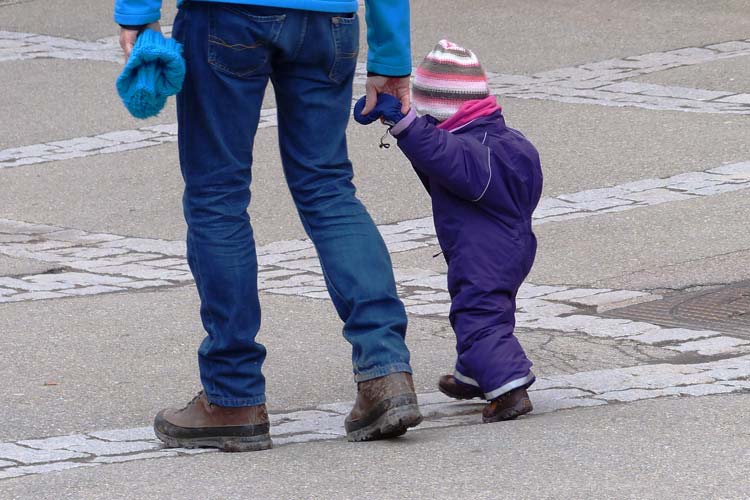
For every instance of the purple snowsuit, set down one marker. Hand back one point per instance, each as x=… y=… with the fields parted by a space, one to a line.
x=485 y=180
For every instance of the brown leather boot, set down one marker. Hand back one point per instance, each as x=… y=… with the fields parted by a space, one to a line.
x=385 y=408
x=202 y=424
x=510 y=405
x=449 y=386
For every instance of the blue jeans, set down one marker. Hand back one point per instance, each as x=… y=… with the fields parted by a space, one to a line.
x=231 y=52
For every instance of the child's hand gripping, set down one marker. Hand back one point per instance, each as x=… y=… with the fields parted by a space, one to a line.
x=388 y=109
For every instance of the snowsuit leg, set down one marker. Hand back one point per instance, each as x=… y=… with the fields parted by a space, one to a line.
x=489 y=355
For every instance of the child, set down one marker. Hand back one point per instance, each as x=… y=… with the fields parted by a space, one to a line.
x=485 y=181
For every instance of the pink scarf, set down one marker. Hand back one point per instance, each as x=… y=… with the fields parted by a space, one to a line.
x=471 y=110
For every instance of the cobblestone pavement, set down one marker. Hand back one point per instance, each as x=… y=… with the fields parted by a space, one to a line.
x=665 y=362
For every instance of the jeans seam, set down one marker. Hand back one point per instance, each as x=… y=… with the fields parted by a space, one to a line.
x=303 y=33
x=199 y=279
x=190 y=245
x=339 y=55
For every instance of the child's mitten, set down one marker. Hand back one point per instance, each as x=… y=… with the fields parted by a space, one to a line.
x=388 y=108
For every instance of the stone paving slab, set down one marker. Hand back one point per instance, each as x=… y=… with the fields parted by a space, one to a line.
x=11 y=266
x=537 y=312
x=551 y=394
x=134 y=194
x=76 y=347
x=582 y=359
x=578 y=453
x=65 y=18
x=91 y=82
x=558 y=41
x=639 y=144
x=605 y=79
x=601 y=253
x=729 y=75
x=138 y=194
x=724 y=268
x=680 y=186
x=138 y=259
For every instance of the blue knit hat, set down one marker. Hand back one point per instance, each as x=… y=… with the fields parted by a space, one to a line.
x=154 y=71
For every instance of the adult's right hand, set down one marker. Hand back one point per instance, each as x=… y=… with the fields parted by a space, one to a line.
x=388 y=110
x=397 y=87
x=128 y=37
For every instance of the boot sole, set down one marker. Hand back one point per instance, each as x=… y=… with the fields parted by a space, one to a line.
x=393 y=423
x=521 y=408
x=224 y=443
x=461 y=397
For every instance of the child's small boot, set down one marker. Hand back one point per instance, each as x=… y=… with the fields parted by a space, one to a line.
x=510 y=405
x=451 y=387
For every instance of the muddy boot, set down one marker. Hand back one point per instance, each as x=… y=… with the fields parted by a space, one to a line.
x=510 y=405
x=202 y=424
x=385 y=408
x=451 y=387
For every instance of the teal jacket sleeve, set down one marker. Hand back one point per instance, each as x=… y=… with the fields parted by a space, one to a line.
x=388 y=37
x=137 y=12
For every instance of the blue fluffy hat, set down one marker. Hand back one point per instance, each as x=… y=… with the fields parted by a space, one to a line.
x=154 y=72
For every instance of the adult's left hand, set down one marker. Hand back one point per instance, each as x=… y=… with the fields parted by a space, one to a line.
x=129 y=36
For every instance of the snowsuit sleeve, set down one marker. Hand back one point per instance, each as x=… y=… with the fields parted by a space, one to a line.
x=460 y=164
x=388 y=37
x=137 y=12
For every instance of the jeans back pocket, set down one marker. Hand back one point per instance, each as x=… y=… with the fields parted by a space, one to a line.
x=345 y=30
x=239 y=41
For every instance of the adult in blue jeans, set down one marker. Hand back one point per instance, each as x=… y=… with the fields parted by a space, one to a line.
x=308 y=50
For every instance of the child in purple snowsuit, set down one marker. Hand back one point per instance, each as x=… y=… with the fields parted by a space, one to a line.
x=485 y=180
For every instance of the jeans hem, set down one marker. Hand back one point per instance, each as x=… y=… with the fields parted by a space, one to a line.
x=235 y=403
x=382 y=371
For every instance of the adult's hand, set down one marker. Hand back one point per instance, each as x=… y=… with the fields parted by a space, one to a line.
x=128 y=37
x=397 y=87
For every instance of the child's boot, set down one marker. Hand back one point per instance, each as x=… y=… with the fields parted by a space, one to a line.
x=510 y=405
x=451 y=387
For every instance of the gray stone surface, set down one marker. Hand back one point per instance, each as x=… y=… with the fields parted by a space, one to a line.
x=64 y=17
x=88 y=82
x=722 y=268
x=654 y=449
x=136 y=189
x=86 y=374
x=31 y=456
x=610 y=250
x=12 y=266
x=110 y=347
x=564 y=34
x=730 y=75
x=630 y=144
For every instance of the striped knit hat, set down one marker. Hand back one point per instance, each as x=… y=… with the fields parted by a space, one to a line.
x=448 y=77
